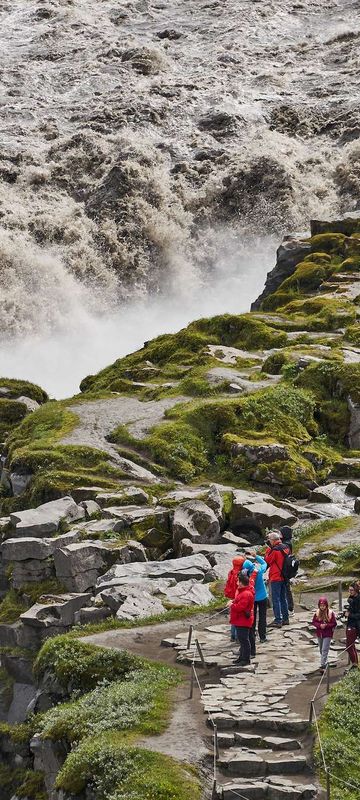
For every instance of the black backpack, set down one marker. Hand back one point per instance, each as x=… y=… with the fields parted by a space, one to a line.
x=290 y=565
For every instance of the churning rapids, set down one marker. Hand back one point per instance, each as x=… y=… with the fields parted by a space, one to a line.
x=151 y=154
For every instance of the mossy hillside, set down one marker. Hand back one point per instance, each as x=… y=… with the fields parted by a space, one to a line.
x=172 y=355
x=340 y=740
x=34 y=448
x=12 y=411
x=20 y=388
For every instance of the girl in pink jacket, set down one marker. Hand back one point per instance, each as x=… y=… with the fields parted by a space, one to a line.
x=324 y=621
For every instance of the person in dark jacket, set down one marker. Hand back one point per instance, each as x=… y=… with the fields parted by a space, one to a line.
x=274 y=557
x=324 y=621
x=286 y=538
x=242 y=616
x=352 y=615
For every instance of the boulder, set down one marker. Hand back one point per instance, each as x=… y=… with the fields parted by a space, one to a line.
x=181 y=495
x=189 y=593
x=18 y=667
x=140 y=604
x=260 y=453
x=58 y=613
x=90 y=507
x=189 y=548
x=19 y=482
x=25 y=548
x=331 y=493
x=45 y=519
x=260 y=508
x=288 y=256
x=49 y=757
x=181 y=569
x=353 y=488
x=215 y=501
x=114 y=596
x=130 y=552
x=91 y=614
x=194 y=520
x=79 y=565
x=30 y=404
x=130 y=495
x=144 y=517
x=31 y=571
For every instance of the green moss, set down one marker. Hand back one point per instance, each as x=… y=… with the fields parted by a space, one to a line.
x=79 y=665
x=273 y=364
x=340 y=740
x=126 y=773
x=352 y=334
x=321 y=313
x=33 y=786
x=329 y=243
x=18 y=388
x=308 y=276
x=179 y=448
x=11 y=607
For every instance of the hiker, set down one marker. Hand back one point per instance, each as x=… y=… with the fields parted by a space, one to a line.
x=275 y=557
x=258 y=566
x=242 y=617
x=286 y=538
x=324 y=621
x=352 y=615
x=231 y=586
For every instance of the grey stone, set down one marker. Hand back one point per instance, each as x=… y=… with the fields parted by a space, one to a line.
x=286 y=765
x=188 y=548
x=49 y=757
x=331 y=493
x=19 y=667
x=151 y=516
x=91 y=614
x=79 y=565
x=19 y=482
x=8 y=635
x=25 y=548
x=194 y=520
x=46 y=519
x=248 y=504
x=242 y=763
x=141 y=604
x=57 y=613
x=325 y=565
x=90 y=507
x=114 y=596
x=288 y=256
x=23 y=694
x=130 y=495
x=354 y=427
x=189 y=593
x=131 y=551
x=261 y=453
x=353 y=488
x=31 y=571
x=180 y=569
x=215 y=501
x=254 y=790
x=30 y=404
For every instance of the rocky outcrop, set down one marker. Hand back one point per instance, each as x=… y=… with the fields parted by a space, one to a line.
x=292 y=250
x=47 y=518
x=194 y=520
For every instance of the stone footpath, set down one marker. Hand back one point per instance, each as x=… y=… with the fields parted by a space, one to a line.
x=264 y=744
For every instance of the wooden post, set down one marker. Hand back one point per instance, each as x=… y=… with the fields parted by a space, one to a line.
x=191 y=682
x=189 y=637
x=311 y=712
x=340 y=595
x=214 y=793
x=203 y=664
x=328 y=786
x=216 y=743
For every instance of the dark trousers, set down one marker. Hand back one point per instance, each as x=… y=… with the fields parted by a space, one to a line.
x=351 y=636
x=289 y=597
x=279 y=601
x=260 y=605
x=243 y=635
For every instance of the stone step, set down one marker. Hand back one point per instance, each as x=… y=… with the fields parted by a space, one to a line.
x=246 y=764
x=226 y=722
x=262 y=742
x=266 y=790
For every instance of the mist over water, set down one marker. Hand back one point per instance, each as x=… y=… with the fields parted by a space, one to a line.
x=86 y=341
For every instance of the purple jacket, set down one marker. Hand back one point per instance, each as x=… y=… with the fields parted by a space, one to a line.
x=328 y=631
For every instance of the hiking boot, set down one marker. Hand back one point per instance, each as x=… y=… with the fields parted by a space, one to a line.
x=263 y=641
x=285 y=622
x=240 y=663
x=275 y=624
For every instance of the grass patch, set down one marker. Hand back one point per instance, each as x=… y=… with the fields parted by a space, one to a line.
x=340 y=739
x=11 y=607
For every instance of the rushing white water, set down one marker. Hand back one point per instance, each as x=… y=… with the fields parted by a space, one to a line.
x=142 y=141
x=90 y=341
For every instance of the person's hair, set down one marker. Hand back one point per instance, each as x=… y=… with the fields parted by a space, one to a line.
x=323 y=614
x=243 y=578
x=355 y=586
x=274 y=536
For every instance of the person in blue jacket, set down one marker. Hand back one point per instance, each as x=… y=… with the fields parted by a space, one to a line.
x=261 y=596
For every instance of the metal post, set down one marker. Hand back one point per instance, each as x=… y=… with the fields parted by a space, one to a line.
x=311 y=712
x=189 y=637
x=191 y=682
x=216 y=742
x=328 y=678
x=203 y=664
x=214 y=793
x=328 y=786
x=340 y=593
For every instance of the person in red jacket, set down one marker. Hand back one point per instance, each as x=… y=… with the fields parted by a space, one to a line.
x=231 y=586
x=242 y=616
x=274 y=557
